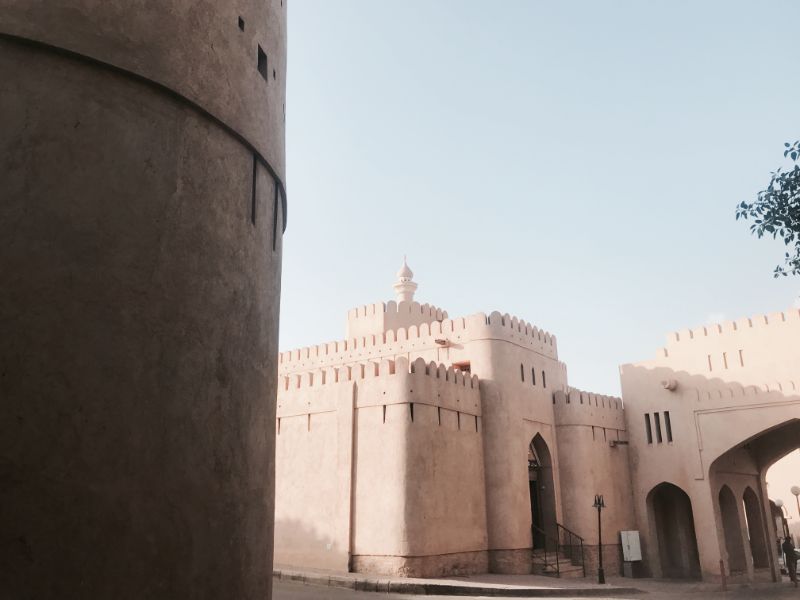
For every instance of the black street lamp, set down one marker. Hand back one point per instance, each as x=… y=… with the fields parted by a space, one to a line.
x=600 y=505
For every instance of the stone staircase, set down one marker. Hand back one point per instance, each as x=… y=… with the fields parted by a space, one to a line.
x=563 y=553
x=545 y=564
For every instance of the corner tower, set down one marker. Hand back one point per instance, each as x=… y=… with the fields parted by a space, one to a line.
x=142 y=211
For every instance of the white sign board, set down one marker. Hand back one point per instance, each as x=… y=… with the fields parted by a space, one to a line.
x=631 y=548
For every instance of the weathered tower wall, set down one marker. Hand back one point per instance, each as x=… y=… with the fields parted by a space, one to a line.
x=141 y=212
x=380 y=470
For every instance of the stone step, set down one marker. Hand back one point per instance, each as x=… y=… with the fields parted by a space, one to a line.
x=565 y=568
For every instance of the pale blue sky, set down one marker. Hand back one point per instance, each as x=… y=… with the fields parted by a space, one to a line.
x=573 y=163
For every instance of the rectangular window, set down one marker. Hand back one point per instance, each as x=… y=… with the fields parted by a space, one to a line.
x=533 y=376
x=544 y=379
x=657 y=418
x=648 y=428
x=668 y=425
x=262 y=64
x=522 y=372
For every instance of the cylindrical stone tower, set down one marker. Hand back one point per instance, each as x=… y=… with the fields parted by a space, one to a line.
x=142 y=206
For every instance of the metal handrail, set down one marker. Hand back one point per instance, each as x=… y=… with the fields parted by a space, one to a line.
x=570 y=546
x=572 y=541
x=547 y=537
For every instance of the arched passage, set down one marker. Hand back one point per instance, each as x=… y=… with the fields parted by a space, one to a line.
x=671 y=513
x=744 y=467
x=756 y=530
x=542 y=491
x=732 y=531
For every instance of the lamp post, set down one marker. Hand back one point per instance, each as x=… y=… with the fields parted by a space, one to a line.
x=600 y=505
x=795 y=489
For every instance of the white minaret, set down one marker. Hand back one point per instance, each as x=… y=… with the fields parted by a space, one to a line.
x=404 y=288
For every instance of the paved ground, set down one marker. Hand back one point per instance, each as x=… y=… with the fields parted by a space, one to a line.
x=289 y=590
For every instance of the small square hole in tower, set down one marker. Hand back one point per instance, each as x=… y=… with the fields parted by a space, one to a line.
x=262 y=64
x=241 y=23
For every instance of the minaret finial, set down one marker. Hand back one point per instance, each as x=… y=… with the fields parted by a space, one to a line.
x=404 y=288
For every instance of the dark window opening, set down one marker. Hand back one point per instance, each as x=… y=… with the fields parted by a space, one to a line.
x=648 y=428
x=668 y=425
x=544 y=379
x=533 y=376
x=262 y=64
x=657 y=418
x=241 y=23
x=274 y=75
x=522 y=372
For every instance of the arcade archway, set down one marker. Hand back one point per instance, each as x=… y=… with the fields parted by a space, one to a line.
x=756 y=529
x=741 y=472
x=732 y=531
x=670 y=511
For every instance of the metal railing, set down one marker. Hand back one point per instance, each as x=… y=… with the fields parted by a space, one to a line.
x=564 y=545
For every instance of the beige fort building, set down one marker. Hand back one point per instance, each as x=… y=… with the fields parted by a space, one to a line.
x=424 y=444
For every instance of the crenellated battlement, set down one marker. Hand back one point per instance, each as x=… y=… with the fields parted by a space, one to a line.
x=732 y=391
x=577 y=407
x=777 y=319
x=522 y=328
x=384 y=383
x=426 y=311
x=384 y=368
x=391 y=342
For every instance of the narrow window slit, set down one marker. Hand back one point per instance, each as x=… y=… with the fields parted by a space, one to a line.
x=668 y=425
x=241 y=23
x=411 y=410
x=262 y=64
x=657 y=417
x=648 y=428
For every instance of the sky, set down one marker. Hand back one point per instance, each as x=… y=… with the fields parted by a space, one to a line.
x=576 y=164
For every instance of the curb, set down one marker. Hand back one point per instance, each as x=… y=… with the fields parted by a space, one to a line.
x=445 y=589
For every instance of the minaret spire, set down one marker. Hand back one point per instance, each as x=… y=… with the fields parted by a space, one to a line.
x=404 y=288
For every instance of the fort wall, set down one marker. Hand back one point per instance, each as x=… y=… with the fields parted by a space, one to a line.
x=710 y=391
x=418 y=338
x=410 y=498
x=748 y=351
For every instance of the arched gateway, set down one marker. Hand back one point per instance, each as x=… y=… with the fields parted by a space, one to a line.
x=541 y=487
